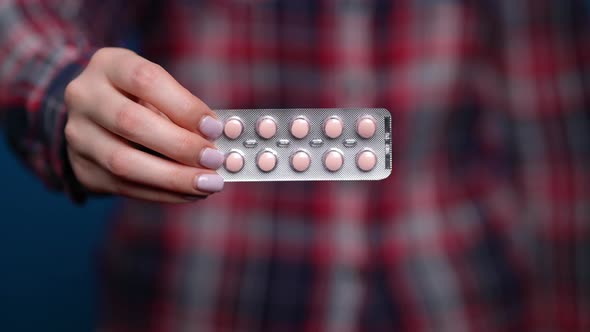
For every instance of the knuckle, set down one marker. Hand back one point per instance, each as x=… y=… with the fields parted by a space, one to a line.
x=101 y=57
x=126 y=120
x=71 y=133
x=74 y=92
x=80 y=172
x=83 y=174
x=105 y=55
x=118 y=163
x=98 y=55
x=144 y=74
x=101 y=54
x=75 y=162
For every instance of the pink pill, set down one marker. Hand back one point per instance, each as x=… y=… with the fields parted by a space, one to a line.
x=366 y=160
x=333 y=127
x=267 y=161
x=300 y=127
x=333 y=160
x=366 y=126
x=233 y=128
x=234 y=162
x=300 y=161
x=266 y=127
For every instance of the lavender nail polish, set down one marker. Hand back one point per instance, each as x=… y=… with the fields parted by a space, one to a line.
x=211 y=158
x=211 y=127
x=209 y=182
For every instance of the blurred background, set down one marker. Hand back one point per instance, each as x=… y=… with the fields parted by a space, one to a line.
x=47 y=250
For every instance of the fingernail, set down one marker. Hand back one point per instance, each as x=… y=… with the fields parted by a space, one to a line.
x=209 y=182
x=211 y=127
x=211 y=158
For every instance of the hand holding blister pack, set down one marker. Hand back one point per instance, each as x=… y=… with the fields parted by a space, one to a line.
x=305 y=144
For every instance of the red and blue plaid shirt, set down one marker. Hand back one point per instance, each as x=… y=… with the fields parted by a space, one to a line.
x=484 y=224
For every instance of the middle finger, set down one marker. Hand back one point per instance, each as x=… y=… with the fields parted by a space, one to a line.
x=140 y=125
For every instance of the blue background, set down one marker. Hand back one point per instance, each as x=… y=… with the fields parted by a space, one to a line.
x=48 y=251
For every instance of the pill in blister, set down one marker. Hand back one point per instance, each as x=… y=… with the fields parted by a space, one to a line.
x=366 y=160
x=266 y=160
x=333 y=127
x=300 y=161
x=366 y=126
x=266 y=127
x=333 y=160
x=233 y=128
x=234 y=161
x=300 y=127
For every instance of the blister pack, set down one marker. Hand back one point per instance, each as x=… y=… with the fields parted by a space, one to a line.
x=305 y=144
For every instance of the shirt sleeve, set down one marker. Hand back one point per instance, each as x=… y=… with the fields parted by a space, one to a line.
x=41 y=50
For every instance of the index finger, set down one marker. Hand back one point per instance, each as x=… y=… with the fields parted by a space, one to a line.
x=151 y=83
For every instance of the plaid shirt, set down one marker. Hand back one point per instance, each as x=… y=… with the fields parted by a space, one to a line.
x=484 y=224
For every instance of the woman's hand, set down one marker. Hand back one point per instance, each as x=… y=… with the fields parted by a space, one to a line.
x=121 y=103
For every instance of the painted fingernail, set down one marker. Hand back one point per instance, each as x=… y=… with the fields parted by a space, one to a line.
x=211 y=158
x=211 y=127
x=209 y=182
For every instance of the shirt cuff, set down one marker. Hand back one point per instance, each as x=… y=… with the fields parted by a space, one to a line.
x=55 y=114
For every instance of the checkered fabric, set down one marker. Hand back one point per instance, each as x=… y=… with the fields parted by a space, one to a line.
x=484 y=224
